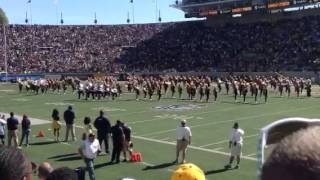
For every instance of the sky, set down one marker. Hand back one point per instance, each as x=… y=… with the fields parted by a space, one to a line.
x=82 y=11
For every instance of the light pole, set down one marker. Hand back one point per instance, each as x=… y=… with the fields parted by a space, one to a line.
x=132 y=7
x=95 y=18
x=5 y=51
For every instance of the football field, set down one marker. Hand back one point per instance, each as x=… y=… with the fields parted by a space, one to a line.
x=153 y=124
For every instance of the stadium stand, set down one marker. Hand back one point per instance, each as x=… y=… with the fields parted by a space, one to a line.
x=290 y=45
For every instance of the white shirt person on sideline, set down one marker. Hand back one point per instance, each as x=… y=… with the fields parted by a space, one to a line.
x=183 y=140
x=235 y=145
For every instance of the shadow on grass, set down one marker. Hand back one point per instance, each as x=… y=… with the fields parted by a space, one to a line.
x=43 y=143
x=63 y=155
x=216 y=171
x=97 y=166
x=70 y=158
x=159 y=166
x=242 y=103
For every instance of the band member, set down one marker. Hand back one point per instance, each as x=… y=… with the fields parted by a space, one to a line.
x=137 y=90
x=255 y=91
x=215 y=93
x=180 y=90
x=235 y=91
x=207 y=93
x=219 y=85
x=244 y=91
x=297 y=89
x=226 y=84
x=144 y=90
x=265 y=92
x=201 y=92
x=308 y=89
x=280 y=88
x=159 y=92
x=173 y=89
x=288 y=88
x=150 y=91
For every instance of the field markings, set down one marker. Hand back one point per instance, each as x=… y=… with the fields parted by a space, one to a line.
x=252 y=154
x=225 y=141
x=164 y=139
x=199 y=113
x=34 y=121
x=167 y=118
x=192 y=147
x=231 y=120
x=217 y=149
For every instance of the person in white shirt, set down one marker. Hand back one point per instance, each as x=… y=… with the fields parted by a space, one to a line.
x=235 y=145
x=2 y=128
x=183 y=140
x=88 y=151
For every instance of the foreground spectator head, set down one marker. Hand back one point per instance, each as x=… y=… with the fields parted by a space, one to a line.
x=44 y=170
x=14 y=165
x=11 y=114
x=70 y=107
x=63 y=173
x=188 y=172
x=297 y=157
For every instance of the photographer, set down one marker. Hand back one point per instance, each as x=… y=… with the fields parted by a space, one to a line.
x=88 y=151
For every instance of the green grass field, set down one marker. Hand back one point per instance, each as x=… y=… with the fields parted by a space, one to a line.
x=154 y=131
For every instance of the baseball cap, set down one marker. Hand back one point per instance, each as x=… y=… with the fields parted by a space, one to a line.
x=183 y=121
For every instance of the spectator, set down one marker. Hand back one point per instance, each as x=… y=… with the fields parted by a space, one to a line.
x=2 y=128
x=87 y=125
x=103 y=127
x=118 y=139
x=25 y=126
x=14 y=165
x=88 y=151
x=296 y=157
x=44 y=170
x=160 y=47
x=56 y=124
x=63 y=173
x=127 y=143
x=69 y=119
x=12 y=126
x=183 y=140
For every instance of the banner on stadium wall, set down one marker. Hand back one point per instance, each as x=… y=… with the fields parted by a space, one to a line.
x=243 y=9
x=278 y=4
x=14 y=77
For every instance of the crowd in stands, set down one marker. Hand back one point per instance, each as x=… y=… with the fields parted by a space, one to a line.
x=182 y=46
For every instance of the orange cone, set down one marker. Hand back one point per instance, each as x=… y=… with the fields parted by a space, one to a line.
x=40 y=134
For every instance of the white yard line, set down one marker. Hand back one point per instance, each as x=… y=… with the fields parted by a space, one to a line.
x=164 y=139
x=34 y=121
x=217 y=149
x=192 y=147
x=253 y=154
x=169 y=143
x=231 y=120
x=225 y=141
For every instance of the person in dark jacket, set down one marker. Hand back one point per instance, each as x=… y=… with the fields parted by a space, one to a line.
x=103 y=127
x=127 y=141
x=12 y=126
x=25 y=124
x=69 y=119
x=118 y=139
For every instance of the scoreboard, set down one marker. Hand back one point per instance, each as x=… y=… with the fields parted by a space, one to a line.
x=206 y=8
